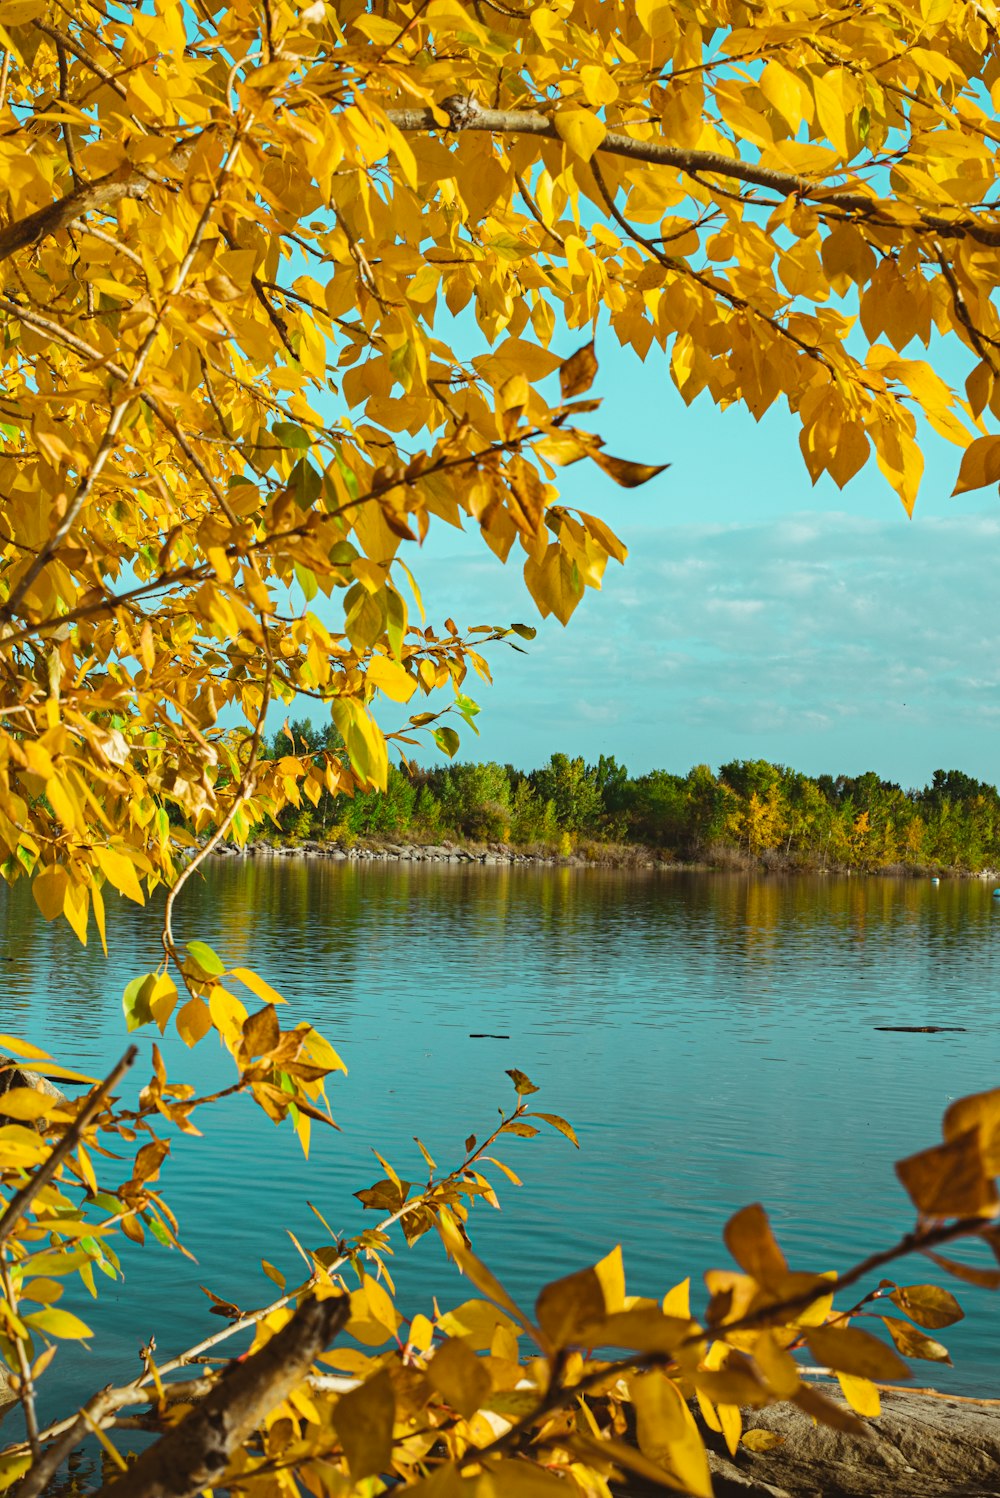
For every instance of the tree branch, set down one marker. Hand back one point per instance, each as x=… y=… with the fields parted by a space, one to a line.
x=194 y=1454
x=95 y=197
x=92 y=1105
x=120 y=410
x=465 y=113
x=243 y=790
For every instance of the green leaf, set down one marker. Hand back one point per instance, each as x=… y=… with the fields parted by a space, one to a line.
x=135 y=1001
x=349 y=476
x=522 y=1084
x=306 y=581
x=290 y=435
x=447 y=741
x=160 y=1232
x=207 y=960
x=305 y=483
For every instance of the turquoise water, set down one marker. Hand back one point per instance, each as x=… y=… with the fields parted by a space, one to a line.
x=711 y=1037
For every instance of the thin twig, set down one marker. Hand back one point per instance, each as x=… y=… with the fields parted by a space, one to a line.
x=101 y=1408
x=24 y=1366
x=94 y=1412
x=61 y=39
x=66 y=127
x=117 y=244
x=92 y=1105
x=984 y=345
x=243 y=791
x=777 y=1313
x=535 y=211
x=120 y=410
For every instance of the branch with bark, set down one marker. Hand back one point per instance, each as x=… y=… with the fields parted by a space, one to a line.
x=93 y=197
x=465 y=114
x=195 y=1453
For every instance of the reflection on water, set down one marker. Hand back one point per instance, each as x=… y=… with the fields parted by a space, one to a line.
x=712 y=1037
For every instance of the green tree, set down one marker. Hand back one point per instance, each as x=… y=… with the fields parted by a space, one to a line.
x=573 y=789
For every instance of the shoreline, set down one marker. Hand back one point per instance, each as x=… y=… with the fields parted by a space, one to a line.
x=622 y=857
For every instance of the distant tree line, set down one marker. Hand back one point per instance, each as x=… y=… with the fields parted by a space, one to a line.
x=749 y=809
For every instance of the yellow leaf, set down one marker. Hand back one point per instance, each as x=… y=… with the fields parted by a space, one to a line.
x=732 y=1425
x=475 y=1321
x=643 y=1329
x=759 y=1439
x=22 y=1048
x=599 y=87
x=980 y=465
x=228 y=1014
x=76 y=904
x=162 y=1000
x=582 y=131
x=374 y=1318
x=913 y=1343
x=256 y=984
x=832 y=110
x=861 y=1394
x=656 y=17
x=20 y=12
x=578 y=372
x=777 y=1366
x=194 y=1022
x=42 y=1290
x=949 y=1180
x=928 y=1305
x=459 y=1376
x=979 y=1111
x=12 y=1468
x=666 y=1431
x=787 y=93
x=27 y=1103
x=363 y=1420
x=847 y=1349
x=58 y=1324
x=391 y=678
x=62 y=803
x=121 y=872
x=49 y=889
x=629 y=475
x=554 y=583
x=568 y=1306
x=677 y=1302
x=752 y=1244
x=20 y=1147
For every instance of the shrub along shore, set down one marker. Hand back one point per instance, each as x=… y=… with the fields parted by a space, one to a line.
x=748 y=814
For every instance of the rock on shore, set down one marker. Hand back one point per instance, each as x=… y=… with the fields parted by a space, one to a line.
x=921 y=1446
x=493 y=854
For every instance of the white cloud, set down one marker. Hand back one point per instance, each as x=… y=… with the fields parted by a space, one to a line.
x=826 y=641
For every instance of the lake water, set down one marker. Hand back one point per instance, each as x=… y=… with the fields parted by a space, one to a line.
x=711 y=1037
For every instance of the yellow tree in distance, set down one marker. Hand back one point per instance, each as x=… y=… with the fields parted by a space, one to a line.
x=239 y=242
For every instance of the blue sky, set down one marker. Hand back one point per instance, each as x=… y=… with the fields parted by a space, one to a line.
x=756 y=615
